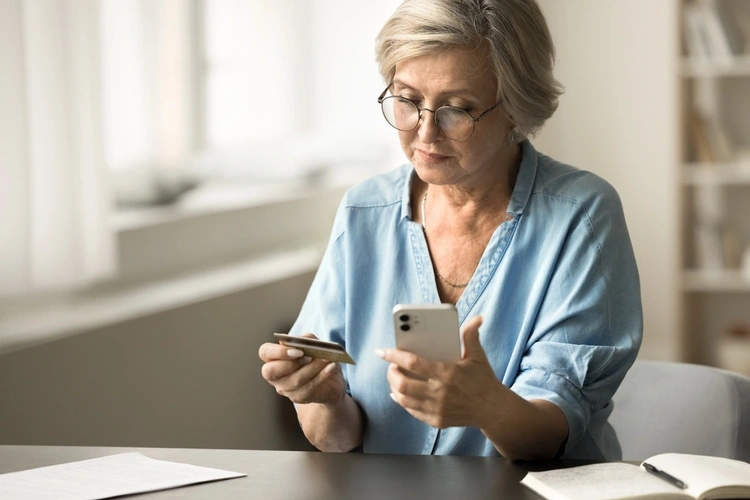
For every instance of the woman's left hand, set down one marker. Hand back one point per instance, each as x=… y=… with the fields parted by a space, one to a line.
x=446 y=394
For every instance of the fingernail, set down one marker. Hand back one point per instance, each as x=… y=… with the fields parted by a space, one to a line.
x=306 y=360
x=393 y=397
x=294 y=353
x=379 y=352
x=329 y=368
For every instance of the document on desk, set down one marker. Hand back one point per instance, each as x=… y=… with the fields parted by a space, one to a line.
x=106 y=477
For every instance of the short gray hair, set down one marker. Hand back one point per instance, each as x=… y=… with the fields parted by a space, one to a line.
x=514 y=32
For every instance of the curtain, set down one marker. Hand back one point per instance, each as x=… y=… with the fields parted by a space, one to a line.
x=54 y=199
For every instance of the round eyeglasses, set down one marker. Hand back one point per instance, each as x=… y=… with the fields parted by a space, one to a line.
x=453 y=123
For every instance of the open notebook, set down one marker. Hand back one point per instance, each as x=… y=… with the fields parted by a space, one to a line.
x=676 y=475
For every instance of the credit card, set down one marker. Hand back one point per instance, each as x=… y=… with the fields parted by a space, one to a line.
x=315 y=348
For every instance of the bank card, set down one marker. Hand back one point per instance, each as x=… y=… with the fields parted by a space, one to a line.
x=316 y=348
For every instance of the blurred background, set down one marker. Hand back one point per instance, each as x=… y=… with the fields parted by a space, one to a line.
x=169 y=170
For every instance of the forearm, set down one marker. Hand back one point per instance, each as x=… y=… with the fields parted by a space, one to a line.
x=335 y=427
x=521 y=429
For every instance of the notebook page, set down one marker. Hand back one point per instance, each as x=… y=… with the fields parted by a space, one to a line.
x=607 y=481
x=106 y=477
x=702 y=473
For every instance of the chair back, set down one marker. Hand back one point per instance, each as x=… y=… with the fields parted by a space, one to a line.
x=664 y=407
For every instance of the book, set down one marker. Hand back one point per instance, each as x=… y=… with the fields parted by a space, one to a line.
x=731 y=19
x=709 y=217
x=710 y=140
x=703 y=477
x=703 y=150
x=716 y=35
x=696 y=38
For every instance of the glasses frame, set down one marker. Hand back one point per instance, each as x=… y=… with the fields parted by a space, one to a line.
x=382 y=98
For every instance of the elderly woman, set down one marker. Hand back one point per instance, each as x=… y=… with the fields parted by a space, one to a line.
x=535 y=255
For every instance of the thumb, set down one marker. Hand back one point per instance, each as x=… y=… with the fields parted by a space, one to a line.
x=472 y=349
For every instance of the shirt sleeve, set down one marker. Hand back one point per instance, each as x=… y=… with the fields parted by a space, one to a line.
x=589 y=326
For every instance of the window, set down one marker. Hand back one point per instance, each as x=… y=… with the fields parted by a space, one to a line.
x=246 y=86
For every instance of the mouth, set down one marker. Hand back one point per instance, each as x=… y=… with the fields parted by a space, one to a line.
x=432 y=157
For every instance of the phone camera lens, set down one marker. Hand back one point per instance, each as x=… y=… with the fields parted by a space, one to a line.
x=405 y=327
x=404 y=317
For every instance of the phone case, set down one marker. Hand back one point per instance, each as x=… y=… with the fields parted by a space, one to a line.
x=428 y=330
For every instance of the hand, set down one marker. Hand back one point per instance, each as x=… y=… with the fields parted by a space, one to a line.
x=445 y=394
x=300 y=378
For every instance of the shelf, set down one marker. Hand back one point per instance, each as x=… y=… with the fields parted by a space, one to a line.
x=716 y=173
x=705 y=68
x=719 y=280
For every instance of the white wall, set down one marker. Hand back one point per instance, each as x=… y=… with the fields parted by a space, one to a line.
x=184 y=378
x=619 y=119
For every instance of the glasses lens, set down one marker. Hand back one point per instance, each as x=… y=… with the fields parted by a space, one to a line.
x=454 y=123
x=400 y=113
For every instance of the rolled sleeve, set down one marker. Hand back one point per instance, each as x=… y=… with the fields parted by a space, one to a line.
x=589 y=326
x=580 y=383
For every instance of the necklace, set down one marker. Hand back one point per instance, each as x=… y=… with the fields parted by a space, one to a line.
x=424 y=229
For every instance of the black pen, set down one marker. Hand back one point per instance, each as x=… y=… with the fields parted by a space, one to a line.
x=667 y=477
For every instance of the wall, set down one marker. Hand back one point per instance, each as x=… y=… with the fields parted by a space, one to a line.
x=619 y=118
x=187 y=378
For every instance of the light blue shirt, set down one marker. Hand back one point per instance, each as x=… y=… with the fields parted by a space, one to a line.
x=557 y=287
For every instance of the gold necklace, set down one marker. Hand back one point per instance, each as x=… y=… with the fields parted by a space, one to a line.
x=424 y=229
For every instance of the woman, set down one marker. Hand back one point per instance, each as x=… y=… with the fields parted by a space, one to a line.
x=533 y=251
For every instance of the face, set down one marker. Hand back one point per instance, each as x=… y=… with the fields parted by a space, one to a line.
x=463 y=79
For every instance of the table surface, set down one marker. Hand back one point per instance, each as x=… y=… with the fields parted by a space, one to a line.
x=314 y=475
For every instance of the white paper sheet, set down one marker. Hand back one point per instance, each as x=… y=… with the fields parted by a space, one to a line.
x=106 y=477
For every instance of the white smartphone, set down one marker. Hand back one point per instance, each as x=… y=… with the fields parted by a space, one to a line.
x=428 y=330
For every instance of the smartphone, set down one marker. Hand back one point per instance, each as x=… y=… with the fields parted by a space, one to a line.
x=316 y=348
x=428 y=330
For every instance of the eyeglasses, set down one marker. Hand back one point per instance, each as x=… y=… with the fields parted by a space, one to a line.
x=453 y=123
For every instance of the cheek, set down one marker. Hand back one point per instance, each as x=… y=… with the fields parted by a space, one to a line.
x=406 y=139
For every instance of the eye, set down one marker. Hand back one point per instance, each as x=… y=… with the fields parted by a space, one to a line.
x=462 y=106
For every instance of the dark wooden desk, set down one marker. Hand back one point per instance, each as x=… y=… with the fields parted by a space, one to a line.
x=311 y=475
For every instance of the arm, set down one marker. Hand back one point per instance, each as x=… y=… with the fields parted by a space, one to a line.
x=523 y=430
x=337 y=426
x=332 y=421
x=330 y=418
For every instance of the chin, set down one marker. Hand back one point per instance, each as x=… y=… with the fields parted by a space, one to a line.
x=432 y=174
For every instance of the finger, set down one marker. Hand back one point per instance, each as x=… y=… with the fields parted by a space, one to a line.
x=472 y=348
x=410 y=362
x=430 y=419
x=275 y=370
x=317 y=390
x=410 y=402
x=302 y=377
x=404 y=382
x=424 y=411
x=274 y=352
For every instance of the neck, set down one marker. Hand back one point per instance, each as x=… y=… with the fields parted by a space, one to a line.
x=482 y=205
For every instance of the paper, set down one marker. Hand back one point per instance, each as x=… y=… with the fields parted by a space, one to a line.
x=106 y=477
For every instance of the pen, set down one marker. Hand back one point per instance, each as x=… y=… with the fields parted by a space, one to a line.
x=667 y=477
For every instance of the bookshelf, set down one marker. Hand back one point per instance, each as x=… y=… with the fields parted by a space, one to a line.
x=714 y=73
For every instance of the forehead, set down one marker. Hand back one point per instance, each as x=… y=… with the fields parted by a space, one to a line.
x=451 y=69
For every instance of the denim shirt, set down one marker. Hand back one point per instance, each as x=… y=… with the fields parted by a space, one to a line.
x=557 y=287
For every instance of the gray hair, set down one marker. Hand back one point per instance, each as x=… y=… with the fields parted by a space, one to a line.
x=514 y=32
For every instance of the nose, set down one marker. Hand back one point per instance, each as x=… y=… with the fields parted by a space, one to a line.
x=428 y=129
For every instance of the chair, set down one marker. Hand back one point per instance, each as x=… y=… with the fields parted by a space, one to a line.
x=666 y=407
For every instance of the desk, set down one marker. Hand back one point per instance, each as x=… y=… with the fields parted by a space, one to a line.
x=311 y=475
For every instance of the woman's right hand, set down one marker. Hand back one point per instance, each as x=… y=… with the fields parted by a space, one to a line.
x=300 y=378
